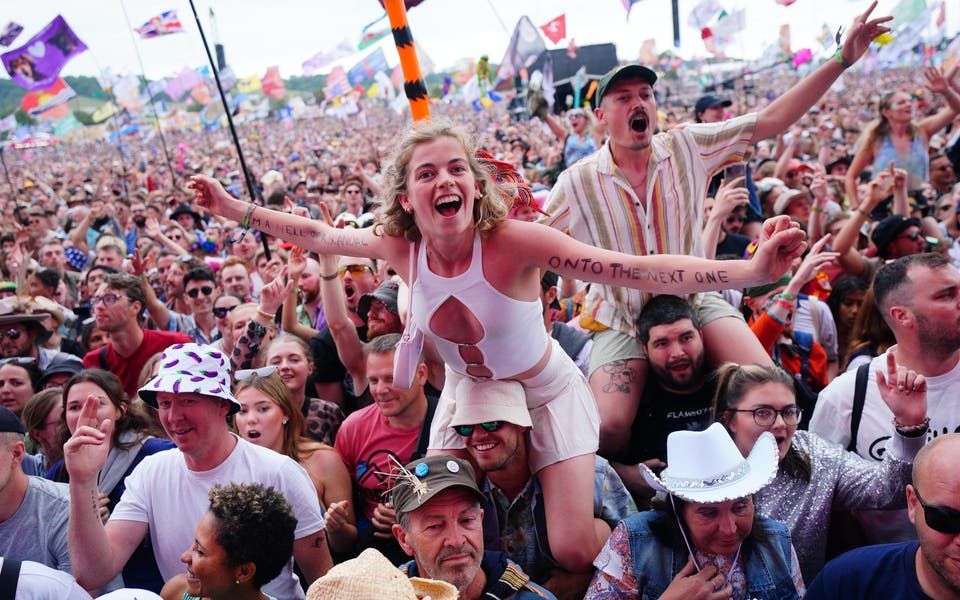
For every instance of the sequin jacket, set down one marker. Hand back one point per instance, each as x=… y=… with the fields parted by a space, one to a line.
x=841 y=480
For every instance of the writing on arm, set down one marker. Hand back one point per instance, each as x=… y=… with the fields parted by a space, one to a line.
x=627 y=273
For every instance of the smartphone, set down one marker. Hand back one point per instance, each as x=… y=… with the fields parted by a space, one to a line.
x=734 y=171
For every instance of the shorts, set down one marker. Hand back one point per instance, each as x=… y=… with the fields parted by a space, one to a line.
x=612 y=344
x=566 y=422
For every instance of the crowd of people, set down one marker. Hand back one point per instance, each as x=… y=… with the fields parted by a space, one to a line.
x=647 y=349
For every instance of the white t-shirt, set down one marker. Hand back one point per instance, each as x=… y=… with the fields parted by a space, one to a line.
x=171 y=498
x=831 y=420
x=40 y=582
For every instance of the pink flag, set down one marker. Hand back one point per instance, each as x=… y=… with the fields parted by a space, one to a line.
x=555 y=29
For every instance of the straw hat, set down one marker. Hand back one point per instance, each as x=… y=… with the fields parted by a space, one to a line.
x=371 y=576
x=706 y=467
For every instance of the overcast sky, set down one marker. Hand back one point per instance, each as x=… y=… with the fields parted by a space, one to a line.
x=261 y=33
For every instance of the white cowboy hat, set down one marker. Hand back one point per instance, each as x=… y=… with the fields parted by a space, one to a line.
x=705 y=467
x=191 y=369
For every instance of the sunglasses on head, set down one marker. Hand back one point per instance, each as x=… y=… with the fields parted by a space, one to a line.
x=12 y=334
x=267 y=371
x=939 y=518
x=222 y=311
x=466 y=430
x=206 y=290
x=355 y=270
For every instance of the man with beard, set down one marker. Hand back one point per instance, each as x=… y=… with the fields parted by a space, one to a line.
x=310 y=310
x=925 y=569
x=679 y=392
x=440 y=524
x=919 y=298
x=492 y=419
x=643 y=194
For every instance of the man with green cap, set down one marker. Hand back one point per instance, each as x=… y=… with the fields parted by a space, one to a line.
x=643 y=192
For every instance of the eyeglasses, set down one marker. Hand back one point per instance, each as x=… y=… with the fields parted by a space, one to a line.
x=466 y=430
x=107 y=299
x=12 y=334
x=736 y=219
x=939 y=518
x=18 y=360
x=206 y=290
x=352 y=191
x=575 y=116
x=267 y=371
x=222 y=311
x=912 y=236
x=766 y=416
x=355 y=270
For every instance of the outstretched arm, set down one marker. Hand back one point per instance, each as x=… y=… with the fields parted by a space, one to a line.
x=299 y=231
x=789 y=107
x=667 y=274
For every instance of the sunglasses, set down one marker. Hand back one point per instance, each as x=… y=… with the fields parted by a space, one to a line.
x=736 y=219
x=355 y=270
x=107 y=299
x=222 y=311
x=939 y=518
x=912 y=236
x=18 y=360
x=206 y=290
x=244 y=374
x=466 y=430
x=12 y=334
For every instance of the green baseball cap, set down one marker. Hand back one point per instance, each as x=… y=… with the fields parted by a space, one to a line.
x=423 y=479
x=624 y=72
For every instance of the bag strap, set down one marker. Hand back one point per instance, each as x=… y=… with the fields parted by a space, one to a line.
x=423 y=438
x=9 y=578
x=102 y=356
x=859 y=399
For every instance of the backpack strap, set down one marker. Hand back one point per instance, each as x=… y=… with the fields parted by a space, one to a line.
x=859 y=399
x=9 y=578
x=423 y=438
x=102 y=357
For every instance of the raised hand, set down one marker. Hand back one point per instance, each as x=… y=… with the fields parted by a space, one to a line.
x=296 y=262
x=861 y=33
x=337 y=516
x=782 y=242
x=815 y=260
x=936 y=81
x=273 y=293
x=729 y=197
x=208 y=193
x=904 y=391
x=86 y=451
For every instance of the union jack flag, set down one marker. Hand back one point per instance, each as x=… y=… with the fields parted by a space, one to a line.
x=163 y=24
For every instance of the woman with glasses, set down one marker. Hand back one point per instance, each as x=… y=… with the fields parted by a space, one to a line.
x=894 y=136
x=19 y=380
x=270 y=417
x=815 y=477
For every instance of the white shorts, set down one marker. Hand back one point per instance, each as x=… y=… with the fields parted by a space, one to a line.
x=566 y=422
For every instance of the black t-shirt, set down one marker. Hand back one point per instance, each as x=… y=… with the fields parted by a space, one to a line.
x=734 y=244
x=661 y=413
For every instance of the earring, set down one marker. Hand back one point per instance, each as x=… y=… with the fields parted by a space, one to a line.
x=236 y=581
x=284 y=421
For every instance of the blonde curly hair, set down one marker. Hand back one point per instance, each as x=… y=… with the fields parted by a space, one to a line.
x=492 y=207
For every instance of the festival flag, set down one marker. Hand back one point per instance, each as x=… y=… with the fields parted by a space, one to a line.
x=703 y=13
x=66 y=125
x=249 y=85
x=369 y=35
x=525 y=46
x=555 y=29
x=201 y=93
x=730 y=23
x=648 y=52
x=273 y=84
x=363 y=70
x=385 y=86
x=57 y=111
x=907 y=10
x=34 y=103
x=185 y=81
x=36 y=65
x=785 y=2
x=942 y=15
x=163 y=24
x=628 y=5
x=314 y=63
x=106 y=110
x=337 y=84
x=784 y=40
x=826 y=37
x=10 y=33
x=396 y=77
x=8 y=123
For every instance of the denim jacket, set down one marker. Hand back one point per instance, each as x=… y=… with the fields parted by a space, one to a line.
x=766 y=564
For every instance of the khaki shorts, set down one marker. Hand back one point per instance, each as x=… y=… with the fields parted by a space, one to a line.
x=612 y=344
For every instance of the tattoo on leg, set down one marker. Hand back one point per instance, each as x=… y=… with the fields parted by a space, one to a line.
x=621 y=377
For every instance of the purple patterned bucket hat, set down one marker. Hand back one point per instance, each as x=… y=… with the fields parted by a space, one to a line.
x=191 y=369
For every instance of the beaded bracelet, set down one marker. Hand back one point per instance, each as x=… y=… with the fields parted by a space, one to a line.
x=912 y=431
x=330 y=277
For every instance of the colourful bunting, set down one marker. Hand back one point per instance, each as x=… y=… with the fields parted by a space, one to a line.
x=36 y=65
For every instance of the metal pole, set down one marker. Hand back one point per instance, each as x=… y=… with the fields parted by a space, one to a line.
x=247 y=177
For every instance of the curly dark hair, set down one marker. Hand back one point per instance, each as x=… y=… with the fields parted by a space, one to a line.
x=256 y=524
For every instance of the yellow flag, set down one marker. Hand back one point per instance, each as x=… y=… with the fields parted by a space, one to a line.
x=248 y=85
x=106 y=110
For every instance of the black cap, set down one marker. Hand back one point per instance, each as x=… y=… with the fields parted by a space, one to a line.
x=9 y=423
x=888 y=229
x=710 y=101
x=624 y=72
x=423 y=479
x=548 y=280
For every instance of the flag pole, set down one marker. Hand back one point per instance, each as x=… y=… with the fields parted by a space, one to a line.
x=113 y=99
x=247 y=177
x=156 y=116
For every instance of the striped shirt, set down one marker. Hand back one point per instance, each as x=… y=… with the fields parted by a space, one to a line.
x=595 y=203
